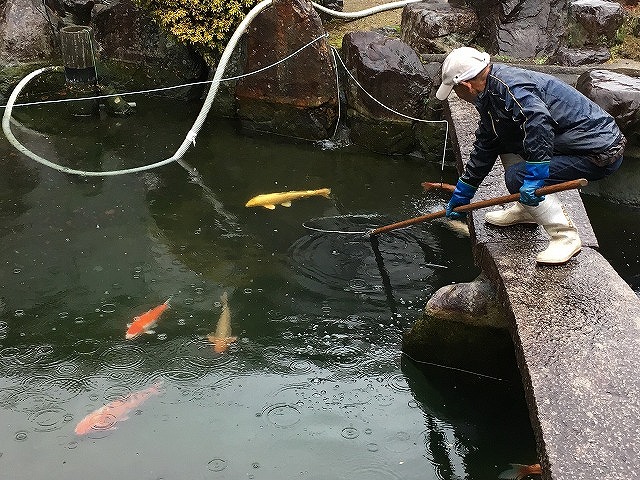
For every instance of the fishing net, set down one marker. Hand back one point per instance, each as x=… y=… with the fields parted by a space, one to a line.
x=346 y=224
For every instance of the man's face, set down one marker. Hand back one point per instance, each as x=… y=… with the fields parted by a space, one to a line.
x=464 y=92
x=470 y=89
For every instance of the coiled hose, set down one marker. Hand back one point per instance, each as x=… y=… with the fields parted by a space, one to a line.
x=190 y=138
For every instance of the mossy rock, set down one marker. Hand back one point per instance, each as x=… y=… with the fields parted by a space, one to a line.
x=484 y=350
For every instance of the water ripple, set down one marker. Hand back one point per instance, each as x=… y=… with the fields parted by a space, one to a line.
x=180 y=376
x=282 y=415
x=334 y=267
x=398 y=383
x=204 y=358
x=26 y=400
x=50 y=419
x=87 y=346
x=123 y=357
x=347 y=356
x=63 y=389
x=373 y=470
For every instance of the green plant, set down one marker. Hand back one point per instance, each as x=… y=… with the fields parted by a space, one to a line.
x=502 y=58
x=206 y=25
x=628 y=44
x=575 y=35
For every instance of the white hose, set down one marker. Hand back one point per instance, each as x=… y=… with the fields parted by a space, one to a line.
x=191 y=135
x=366 y=12
x=197 y=125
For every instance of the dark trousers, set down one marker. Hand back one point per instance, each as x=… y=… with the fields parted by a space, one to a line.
x=562 y=168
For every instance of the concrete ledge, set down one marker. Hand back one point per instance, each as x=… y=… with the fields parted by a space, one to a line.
x=576 y=333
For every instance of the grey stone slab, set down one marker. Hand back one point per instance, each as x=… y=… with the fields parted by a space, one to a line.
x=576 y=333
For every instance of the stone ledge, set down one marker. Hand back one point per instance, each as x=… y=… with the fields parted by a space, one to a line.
x=576 y=333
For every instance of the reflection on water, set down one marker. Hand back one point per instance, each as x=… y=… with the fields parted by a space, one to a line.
x=314 y=387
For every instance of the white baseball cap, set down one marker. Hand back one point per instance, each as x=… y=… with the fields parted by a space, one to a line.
x=461 y=64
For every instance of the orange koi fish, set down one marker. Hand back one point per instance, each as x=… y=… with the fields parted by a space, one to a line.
x=445 y=187
x=519 y=472
x=146 y=321
x=222 y=338
x=107 y=416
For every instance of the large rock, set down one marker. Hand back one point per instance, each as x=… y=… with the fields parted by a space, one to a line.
x=392 y=73
x=574 y=57
x=135 y=50
x=437 y=26
x=618 y=94
x=25 y=34
x=457 y=345
x=296 y=98
x=521 y=29
x=594 y=22
x=473 y=303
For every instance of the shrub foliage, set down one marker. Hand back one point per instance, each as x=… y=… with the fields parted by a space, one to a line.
x=207 y=25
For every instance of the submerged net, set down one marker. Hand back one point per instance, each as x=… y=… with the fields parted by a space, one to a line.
x=346 y=224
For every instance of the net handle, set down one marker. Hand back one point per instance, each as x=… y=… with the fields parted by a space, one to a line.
x=560 y=187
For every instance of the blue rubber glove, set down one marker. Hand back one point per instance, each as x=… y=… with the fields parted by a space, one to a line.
x=536 y=174
x=462 y=195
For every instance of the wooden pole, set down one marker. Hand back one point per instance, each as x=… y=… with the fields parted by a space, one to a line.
x=573 y=184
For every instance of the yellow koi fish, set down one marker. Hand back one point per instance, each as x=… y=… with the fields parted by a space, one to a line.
x=222 y=338
x=270 y=200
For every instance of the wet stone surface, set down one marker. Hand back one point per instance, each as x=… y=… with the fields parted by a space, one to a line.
x=576 y=332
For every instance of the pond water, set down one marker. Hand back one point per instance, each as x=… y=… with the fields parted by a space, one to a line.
x=315 y=387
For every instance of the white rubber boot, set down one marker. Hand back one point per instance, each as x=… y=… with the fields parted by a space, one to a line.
x=565 y=241
x=517 y=213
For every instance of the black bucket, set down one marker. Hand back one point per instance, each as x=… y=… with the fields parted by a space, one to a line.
x=80 y=67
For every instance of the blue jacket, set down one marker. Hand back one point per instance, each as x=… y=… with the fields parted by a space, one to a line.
x=536 y=116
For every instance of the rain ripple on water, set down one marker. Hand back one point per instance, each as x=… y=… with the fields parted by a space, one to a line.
x=50 y=419
x=282 y=415
x=123 y=357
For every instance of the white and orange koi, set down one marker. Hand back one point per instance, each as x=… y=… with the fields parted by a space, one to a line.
x=145 y=322
x=270 y=200
x=108 y=416
x=222 y=338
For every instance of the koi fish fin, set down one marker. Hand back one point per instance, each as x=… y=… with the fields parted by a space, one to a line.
x=150 y=332
x=231 y=339
x=519 y=472
x=286 y=204
x=270 y=207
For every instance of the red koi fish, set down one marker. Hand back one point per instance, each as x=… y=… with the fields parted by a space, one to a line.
x=222 y=338
x=519 y=472
x=146 y=321
x=107 y=416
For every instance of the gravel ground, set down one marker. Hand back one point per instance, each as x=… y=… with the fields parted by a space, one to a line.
x=337 y=28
